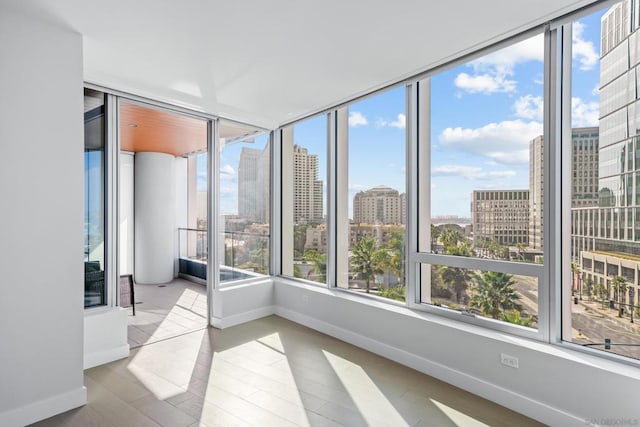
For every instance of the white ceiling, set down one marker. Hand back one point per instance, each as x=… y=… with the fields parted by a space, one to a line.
x=267 y=62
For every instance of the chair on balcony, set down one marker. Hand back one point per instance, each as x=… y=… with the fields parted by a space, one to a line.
x=127 y=293
x=94 y=285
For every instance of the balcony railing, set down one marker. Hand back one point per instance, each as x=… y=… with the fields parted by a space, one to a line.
x=246 y=254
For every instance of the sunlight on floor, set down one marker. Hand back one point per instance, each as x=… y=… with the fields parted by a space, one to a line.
x=233 y=386
x=457 y=417
x=166 y=367
x=371 y=402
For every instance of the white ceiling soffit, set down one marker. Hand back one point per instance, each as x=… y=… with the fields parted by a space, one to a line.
x=268 y=62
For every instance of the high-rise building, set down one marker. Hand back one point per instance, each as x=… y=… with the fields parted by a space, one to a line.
x=307 y=189
x=253 y=184
x=501 y=216
x=379 y=205
x=584 y=180
x=536 y=192
x=606 y=238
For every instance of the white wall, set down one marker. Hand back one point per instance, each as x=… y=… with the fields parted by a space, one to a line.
x=242 y=303
x=553 y=385
x=41 y=220
x=105 y=336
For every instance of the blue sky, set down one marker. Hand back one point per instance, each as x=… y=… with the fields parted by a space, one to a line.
x=483 y=115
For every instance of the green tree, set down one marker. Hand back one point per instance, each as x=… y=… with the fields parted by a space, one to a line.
x=367 y=260
x=588 y=284
x=494 y=294
x=450 y=238
x=395 y=293
x=397 y=255
x=521 y=246
x=457 y=279
x=619 y=284
x=299 y=239
x=515 y=317
x=319 y=261
x=435 y=235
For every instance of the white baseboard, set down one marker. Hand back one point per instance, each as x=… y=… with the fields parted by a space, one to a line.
x=522 y=404
x=45 y=408
x=106 y=356
x=237 y=319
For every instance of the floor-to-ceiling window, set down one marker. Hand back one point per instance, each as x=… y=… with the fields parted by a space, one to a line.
x=244 y=202
x=602 y=175
x=94 y=206
x=304 y=200
x=481 y=185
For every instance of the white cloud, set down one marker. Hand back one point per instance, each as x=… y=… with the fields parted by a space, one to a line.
x=357 y=119
x=584 y=113
x=400 y=122
x=227 y=172
x=484 y=83
x=492 y=73
x=505 y=142
x=471 y=172
x=596 y=90
x=529 y=107
x=583 y=51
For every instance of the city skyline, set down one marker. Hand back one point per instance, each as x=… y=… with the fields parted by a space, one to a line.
x=484 y=114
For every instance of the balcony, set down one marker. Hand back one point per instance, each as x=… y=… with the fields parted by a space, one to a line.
x=246 y=255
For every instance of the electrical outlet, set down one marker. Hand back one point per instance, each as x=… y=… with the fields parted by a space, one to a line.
x=305 y=298
x=510 y=361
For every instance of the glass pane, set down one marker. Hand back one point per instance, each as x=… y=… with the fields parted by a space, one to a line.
x=600 y=291
x=94 y=200
x=505 y=297
x=485 y=195
x=244 y=203
x=304 y=227
x=376 y=195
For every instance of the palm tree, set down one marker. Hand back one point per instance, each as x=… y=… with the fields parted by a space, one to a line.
x=319 y=261
x=367 y=260
x=520 y=247
x=435 y=234
x=494 y=294
x=575 y=270
x=619 y=284
x=396 y=255
x=450 y=238
x=457 y=279
x=588 y=283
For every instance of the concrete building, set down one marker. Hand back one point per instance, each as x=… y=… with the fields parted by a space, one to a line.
x=307 y=189
x=381 y=205
x=500 y=215
x=584 y=181
x=536 y=193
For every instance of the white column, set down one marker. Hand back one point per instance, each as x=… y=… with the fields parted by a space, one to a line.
x=155 y=217
x=125 y=214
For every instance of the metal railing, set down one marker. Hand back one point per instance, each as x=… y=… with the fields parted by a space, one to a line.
x=243 y=251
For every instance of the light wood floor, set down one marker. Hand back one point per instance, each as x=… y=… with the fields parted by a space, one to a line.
x=165 y=311
x=271 y=372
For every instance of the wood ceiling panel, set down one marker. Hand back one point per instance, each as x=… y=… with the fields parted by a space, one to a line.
x=144 y=129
